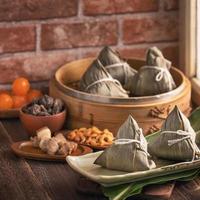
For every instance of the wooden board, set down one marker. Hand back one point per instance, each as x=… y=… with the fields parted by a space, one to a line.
x=10 y=113
x=162 y=191
x=26 y=150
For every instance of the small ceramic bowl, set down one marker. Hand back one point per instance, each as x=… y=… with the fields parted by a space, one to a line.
x=32 y=123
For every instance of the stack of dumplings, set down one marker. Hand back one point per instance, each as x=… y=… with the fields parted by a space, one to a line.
x=109 y=72
x=176 y=140
x=129 y=151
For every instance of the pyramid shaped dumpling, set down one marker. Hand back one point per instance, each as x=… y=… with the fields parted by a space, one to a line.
x=176 y=140
x=154 y=78
x=155 y=57
x=130 y=130
x=128 y=152
x=97 y=80
x=118 y=68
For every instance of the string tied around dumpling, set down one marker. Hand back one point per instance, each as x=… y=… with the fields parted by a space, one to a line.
x=124 y=65
x=160 y=74
x=106 y=80
x=122 y=141
x=176 y=141
x=179 y=132
x=126 y=141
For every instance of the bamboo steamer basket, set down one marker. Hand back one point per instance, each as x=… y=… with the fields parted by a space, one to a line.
x=86 y=110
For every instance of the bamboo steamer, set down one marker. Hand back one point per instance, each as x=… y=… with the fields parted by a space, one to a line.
x=85 y=110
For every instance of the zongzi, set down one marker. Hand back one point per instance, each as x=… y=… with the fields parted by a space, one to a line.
x=118 y=68
x=97 y=80
x=129 y=150
x=154 y=78
x=156 y=58
x=176 y=140
x=130 y=130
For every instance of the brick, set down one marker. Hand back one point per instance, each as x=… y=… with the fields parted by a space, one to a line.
x=35 y=67
x=85 y=53
x=17 y=39
x=171 y=4
x=96 y=7
x=150 y=29
x=59 y=36
x=172 y=53
x=36 y=9
x=133 y=52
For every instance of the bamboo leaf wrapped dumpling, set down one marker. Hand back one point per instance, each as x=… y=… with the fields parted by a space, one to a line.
x=97 y=80
x=128 y=153
x=155 y=58
x=154 y=78
x=130 y=130
x=176 y=140
x=118 y=68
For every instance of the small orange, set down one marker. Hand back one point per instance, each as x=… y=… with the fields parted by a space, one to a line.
x=4 y=92
x=6 y=101
x=19 y=101
x=20 y=86
x=33 y=94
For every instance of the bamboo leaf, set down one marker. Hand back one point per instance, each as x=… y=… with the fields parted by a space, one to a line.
x=124 y=191
x=195 y=119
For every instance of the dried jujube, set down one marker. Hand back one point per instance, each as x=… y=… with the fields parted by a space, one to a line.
x=44 y=106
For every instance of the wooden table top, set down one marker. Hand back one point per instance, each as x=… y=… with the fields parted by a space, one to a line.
x=29 y=179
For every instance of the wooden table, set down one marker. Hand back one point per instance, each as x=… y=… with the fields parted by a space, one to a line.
x=27 y=179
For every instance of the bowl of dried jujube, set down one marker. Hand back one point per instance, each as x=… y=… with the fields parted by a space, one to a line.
x=44 y=111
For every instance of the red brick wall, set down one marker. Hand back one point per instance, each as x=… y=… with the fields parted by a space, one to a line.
x=37 y=36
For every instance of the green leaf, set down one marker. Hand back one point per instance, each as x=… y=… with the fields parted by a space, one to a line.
x=152 y=136
x=124 y=191
x=121 y=192
x=195 y=119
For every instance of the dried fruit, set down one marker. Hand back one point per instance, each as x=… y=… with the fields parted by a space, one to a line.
x=57 y=106
x=44 y=106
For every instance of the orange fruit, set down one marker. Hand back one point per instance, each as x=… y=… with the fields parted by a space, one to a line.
x=6 y=101
x=20 y=87
x=19 y=101
x=33 y=94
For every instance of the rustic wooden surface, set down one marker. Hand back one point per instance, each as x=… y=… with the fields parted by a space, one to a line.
x=28 y=179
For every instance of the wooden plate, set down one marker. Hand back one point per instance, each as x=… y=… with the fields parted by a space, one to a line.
x=26 y=150
x=9 y=113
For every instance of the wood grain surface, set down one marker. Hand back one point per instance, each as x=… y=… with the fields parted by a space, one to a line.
x=29 y=179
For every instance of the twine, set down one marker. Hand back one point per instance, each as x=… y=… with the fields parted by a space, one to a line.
x=160 y=74
x=106 y=80
x=176 y=141
x=129 y=141
x=124 y=65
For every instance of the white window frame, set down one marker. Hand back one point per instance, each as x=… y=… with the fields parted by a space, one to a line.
x=188 y=59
